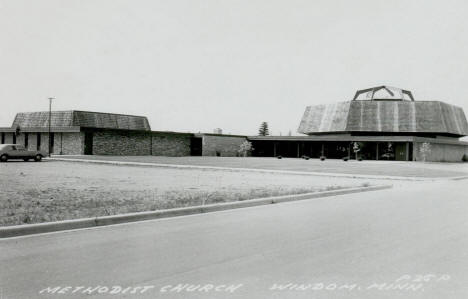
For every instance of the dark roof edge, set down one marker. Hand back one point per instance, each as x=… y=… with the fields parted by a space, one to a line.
x=84 y=112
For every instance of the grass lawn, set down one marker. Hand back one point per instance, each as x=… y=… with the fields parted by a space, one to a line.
x=52 y=190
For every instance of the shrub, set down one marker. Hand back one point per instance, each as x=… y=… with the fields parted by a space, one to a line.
x=322 y=158
x=245 y=148
x=465 y=158
x=279 y=157
x=345 y=159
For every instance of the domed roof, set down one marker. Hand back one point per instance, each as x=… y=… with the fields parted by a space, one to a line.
x=394 y=114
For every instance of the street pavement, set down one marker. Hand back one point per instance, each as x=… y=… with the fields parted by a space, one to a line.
x=407 y=242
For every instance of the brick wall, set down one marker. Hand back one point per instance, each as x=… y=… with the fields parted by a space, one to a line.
x=172 y=145
x=225 y=146
x=441 y=152
x=121 y=143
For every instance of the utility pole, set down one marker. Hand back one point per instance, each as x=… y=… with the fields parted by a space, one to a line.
x=50 y=118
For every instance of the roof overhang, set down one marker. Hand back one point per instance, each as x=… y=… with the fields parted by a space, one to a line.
x=42 y=129
x=350 y=138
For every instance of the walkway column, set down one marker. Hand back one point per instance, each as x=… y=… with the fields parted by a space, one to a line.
x=407 y=151
x=323 y=149
x=274 y=149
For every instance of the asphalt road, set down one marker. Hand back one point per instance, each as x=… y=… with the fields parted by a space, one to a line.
x=413 y=237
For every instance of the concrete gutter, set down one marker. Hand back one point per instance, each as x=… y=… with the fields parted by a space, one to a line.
x=313 y=173
x=28 y=229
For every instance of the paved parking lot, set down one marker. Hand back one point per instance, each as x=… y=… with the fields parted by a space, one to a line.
x=386 y=168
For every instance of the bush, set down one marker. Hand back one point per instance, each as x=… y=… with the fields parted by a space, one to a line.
x=345 y=159
x=359 y=159
x=322 y=158
x=465 y=158
x=279 y=157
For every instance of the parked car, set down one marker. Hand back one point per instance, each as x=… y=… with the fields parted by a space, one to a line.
x=18 y=152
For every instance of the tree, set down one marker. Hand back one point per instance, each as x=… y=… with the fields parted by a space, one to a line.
x=245 y=148
x=263 y=130
x=425 y=149
x=356 y=149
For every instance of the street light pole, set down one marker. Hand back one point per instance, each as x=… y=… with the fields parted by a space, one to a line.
x=50 y=118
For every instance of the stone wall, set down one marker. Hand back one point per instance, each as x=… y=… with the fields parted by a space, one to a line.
x=72 y=143
x=20 y=139
x=8 y=138
x=32 y=141
x=440 y=152
x=122 y=143
x=173 y=145
x=219 y=145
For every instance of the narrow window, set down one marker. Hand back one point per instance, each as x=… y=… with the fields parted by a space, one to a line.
x=26 y=140
x=38 y=142
x=14 y=138
x=3 y=138
x=52 y=142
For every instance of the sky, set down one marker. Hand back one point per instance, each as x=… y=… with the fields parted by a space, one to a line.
x=193 y=65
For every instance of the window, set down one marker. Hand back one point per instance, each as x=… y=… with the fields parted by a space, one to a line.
x=14 y=138
x=26 y=140
x=38 y=142
x=3 y=138
x=51 y=142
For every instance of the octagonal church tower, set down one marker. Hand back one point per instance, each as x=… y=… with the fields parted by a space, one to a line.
x=393 y=113
x=384 y=123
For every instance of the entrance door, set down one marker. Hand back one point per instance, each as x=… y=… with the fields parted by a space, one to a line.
x=400 y=151
x=196 y=146
x=88 y=143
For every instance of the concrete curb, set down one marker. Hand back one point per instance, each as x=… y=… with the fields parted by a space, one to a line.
x=184 y=166
x=28 y=229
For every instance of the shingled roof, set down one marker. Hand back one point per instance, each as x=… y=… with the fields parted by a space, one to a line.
x=83 y=119
x=385 y=116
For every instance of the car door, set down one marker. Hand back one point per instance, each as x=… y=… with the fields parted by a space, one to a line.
x=13 y=152
x=19 y=152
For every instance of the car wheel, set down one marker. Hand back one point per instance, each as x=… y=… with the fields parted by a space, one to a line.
x=38 y=158
x=4 y=158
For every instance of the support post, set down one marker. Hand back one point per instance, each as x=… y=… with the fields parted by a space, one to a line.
x=377 y=151
x=50 y=119
x=407 y=152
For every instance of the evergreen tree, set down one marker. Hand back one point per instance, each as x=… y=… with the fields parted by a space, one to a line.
x=263 y=130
